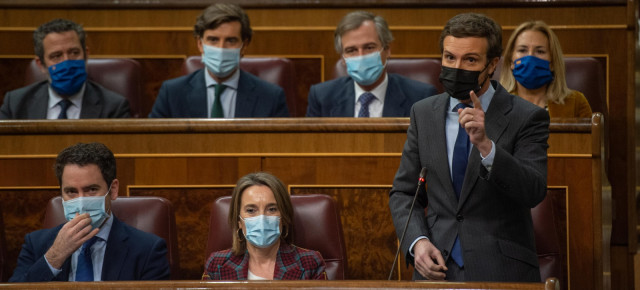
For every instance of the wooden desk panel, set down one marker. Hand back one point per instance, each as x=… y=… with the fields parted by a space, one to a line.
x=550 y=284
x=190 y=162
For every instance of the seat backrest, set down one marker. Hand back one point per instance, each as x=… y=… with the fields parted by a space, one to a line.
x=583 y=74
x=121 y=75
x=426 y=70
x=317 y=227
x=547 y=245
x=150 y=214
x=276 y=70
x=4 y=269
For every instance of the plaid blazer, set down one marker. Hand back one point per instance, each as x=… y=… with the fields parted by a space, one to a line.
x=292 y=263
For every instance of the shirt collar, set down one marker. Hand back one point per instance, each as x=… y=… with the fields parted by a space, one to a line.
x=379 y=92
x=231 y=82
x=106 y=228
x=76 y=99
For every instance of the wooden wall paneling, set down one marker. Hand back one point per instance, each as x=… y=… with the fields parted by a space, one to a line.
x=23 y=212
x=192 y=205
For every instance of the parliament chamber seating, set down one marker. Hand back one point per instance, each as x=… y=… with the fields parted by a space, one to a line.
x=426 y=70
x=121 y=75
x=279 y=71
x=150 y=214
x=317 y=227
x=546 y=216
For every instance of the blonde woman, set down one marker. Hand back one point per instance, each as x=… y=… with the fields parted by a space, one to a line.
x=533 y=68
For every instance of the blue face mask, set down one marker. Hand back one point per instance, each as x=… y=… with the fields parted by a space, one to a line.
x=262 y=230
x=68 y=76
x=94 y=205
x=221 y=61
x=532 y=72
x=365 y=69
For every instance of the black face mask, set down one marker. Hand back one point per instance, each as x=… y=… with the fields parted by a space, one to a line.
x=458 y=82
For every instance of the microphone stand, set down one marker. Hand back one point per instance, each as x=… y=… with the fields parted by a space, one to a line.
x=421 y=181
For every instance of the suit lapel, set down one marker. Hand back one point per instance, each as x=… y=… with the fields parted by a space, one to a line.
x=235 y=268
x=394 y=99
x=439 y=142
x=115 y=253
x=287 y=263
x=246 y=99
x=345 y=106
x=196 y=96
x=91 y=105
x=495 y=123
x=39 y=106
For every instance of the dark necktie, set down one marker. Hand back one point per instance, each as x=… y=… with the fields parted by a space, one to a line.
x=64 y=105
x=458 y=167
x=216 y=110
x=364 y=100
x=84 y=268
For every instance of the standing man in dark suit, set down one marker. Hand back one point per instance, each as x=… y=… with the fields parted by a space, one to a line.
x=485 y=152
x=363 y=40
x=221 y=90
x=93 y=245
x=61 y=54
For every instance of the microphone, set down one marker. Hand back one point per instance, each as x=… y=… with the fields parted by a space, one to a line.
x=423 y=174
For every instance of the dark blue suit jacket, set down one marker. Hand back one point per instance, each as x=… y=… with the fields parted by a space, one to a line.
x=336 y=98
x=186 y=97
x=131 y=254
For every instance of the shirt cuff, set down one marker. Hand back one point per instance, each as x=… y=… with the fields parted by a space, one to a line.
x=487 y=162
x=53 y=270
x=414 y=243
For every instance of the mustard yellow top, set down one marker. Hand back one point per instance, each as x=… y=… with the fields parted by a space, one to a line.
x=575 y=106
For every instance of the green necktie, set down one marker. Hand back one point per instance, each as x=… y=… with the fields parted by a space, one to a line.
x=216 y=110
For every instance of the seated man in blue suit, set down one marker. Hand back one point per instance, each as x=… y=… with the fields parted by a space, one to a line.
x=363 y=40
x=221 y=90
x=61 y=54
x=93 y=245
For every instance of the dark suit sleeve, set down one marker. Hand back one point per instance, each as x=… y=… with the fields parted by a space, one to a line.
x=5 y=110
x=157 y=265
x=521 y=176
x=122 y=110
x=404 y=188
x=313 y=106
x=281 y=109
x=161 y=108
x=32 y=266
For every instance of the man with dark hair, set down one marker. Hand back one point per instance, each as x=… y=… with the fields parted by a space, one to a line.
x=93 y=245
x=364 y=42
x=485 y=152
x=61 y=54
x=221 y=89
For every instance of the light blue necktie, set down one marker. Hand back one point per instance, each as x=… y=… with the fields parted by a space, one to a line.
x=458 y=168
x=364 y=100
x=84 y=268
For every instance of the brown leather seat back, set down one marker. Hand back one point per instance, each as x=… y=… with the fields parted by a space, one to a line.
x=317 y=227
x=550 y=256
x=147 y=213
x=426 y=70
x=276 y=70
x=121 y=75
